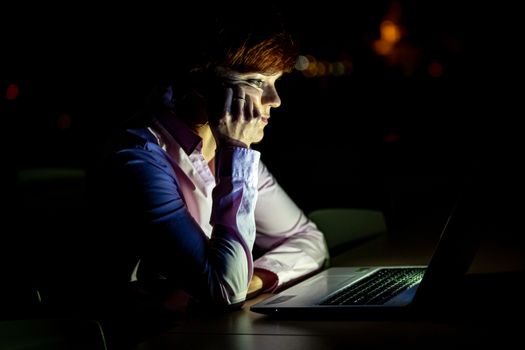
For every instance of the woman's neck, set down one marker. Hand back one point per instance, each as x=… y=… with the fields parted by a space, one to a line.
x=208 y=142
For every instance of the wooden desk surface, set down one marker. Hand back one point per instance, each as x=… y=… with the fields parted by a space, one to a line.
x=247 y=330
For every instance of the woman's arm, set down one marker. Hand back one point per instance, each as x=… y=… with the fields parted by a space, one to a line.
x=217 y=269
x=291 y=244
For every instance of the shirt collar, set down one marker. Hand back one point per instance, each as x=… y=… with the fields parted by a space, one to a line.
x=181 y=132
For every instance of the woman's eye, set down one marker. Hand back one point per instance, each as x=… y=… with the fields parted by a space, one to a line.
x=256 y=82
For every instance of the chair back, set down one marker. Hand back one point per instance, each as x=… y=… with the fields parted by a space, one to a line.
x=345 y=227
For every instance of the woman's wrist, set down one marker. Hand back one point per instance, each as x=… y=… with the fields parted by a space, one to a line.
x=227 y=142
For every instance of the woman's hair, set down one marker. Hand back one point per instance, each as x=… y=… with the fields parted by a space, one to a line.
x=245 y=46
x=243 y=41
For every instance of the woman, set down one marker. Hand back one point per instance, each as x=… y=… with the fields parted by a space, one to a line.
x=191 y=201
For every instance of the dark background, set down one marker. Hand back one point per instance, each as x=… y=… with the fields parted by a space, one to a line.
x=388 y=134
x=402 y=132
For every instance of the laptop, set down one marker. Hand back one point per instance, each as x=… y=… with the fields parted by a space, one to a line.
x=386 y=290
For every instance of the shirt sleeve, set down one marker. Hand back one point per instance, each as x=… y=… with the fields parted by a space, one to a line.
x=217 y=269
x=291 y=244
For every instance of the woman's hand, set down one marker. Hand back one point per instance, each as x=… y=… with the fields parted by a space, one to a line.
x=240 y=122
x=255 y=286
x=261 y=281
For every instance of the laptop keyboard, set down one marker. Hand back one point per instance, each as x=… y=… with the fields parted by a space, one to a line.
x=377 y=288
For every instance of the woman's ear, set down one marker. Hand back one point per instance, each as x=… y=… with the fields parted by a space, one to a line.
x=198 y=93
x=192 y=107
x=204 y=97
x=198 y=83
x=206 y=84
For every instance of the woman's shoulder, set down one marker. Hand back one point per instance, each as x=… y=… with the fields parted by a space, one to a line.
x=128 y=145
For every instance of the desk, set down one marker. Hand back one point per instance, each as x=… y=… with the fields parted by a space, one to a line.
x=246 y=330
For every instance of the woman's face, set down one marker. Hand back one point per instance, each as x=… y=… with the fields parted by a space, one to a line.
x=255 y=93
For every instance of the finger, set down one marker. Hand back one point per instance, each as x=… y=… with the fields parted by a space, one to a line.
x=256 y=111
x=248 y=109
x=251 y=109
x=228 y=101
x=238 y=92
x=238 y=103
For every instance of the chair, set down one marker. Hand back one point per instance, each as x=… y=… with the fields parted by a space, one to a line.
x=47 y=334
x=347 y=227
x=51 y=229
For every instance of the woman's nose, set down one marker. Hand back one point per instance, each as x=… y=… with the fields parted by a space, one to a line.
x=271 y=97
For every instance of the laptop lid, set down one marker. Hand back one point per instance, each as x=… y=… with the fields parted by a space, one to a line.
x=453 y=254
